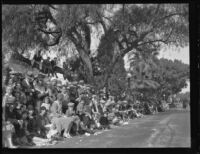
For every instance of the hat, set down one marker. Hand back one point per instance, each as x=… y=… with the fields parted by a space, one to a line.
x=70 y=104
x=75 y=82
x=59 y=85
x=43 y=108
x=81 y=82
x=125 y=101
x=12 y=105
x=60 y=96
x=82 y=101
x=25 y=112
x=30 y=74
x=18 y=106
x=102 y=101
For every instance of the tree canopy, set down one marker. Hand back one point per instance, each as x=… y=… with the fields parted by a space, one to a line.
x=139 y=29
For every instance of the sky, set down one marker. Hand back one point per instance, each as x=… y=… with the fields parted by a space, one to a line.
x=181 y=54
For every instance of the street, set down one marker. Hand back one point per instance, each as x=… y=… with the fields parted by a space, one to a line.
x=167 y=129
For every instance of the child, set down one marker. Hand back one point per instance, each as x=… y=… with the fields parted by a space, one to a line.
x=104 y=121
x=46 y=103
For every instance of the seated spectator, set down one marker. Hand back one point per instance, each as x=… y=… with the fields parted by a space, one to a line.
x=56 y=107
x=80 y=107
x=104 y=121
x=71 y=113
x=46 y=103
x=87 y=109
x=59 y=121
x=95 y=104
x=65 y=100
x=42 y=119
x=40 y=94
x=32 y=123
x=26 y=136
x=85 y=124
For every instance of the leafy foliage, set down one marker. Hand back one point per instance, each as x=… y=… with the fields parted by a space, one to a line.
x=173 y=76
x=18 y=27
x=137 y=29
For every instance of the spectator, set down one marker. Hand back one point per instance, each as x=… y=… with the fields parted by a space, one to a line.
x=65 y=99
x=46 y=103
x=104 y=121
x=53 y=65
x=71 y=113
x=42 y=120
x=80 y=107
x=37 y=58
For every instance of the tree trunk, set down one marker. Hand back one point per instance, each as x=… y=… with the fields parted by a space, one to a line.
x=88 y=64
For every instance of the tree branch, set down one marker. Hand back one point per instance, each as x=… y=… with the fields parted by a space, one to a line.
x=102 y=22
x=133 y=33
x=159 y=40
x=170 y=15
x=149 y=42
x=49 y=32
x=53 y=7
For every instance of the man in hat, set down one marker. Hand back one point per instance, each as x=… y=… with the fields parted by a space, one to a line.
x=53 y=65
x=48 y=67
x=59 y=87
x=37 y=58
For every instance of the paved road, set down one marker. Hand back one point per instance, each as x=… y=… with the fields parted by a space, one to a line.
x=168 y=129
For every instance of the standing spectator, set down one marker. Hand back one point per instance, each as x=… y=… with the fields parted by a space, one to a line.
x=47 y=66
x=37 y=58
x=26 y=85
x=7 y=99
x=40 y=94
x=53 y=65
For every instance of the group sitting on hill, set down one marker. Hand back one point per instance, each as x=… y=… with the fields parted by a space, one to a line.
x=47 y=65
x=39 y=109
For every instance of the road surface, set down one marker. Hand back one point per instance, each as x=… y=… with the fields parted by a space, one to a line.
x=168 y=129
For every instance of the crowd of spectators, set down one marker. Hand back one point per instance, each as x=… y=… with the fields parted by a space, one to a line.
x=36 y=107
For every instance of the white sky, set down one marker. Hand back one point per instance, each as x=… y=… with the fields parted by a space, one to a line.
x=181 y=54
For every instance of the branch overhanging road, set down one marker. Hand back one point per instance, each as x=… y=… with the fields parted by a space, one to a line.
x=167 y=129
